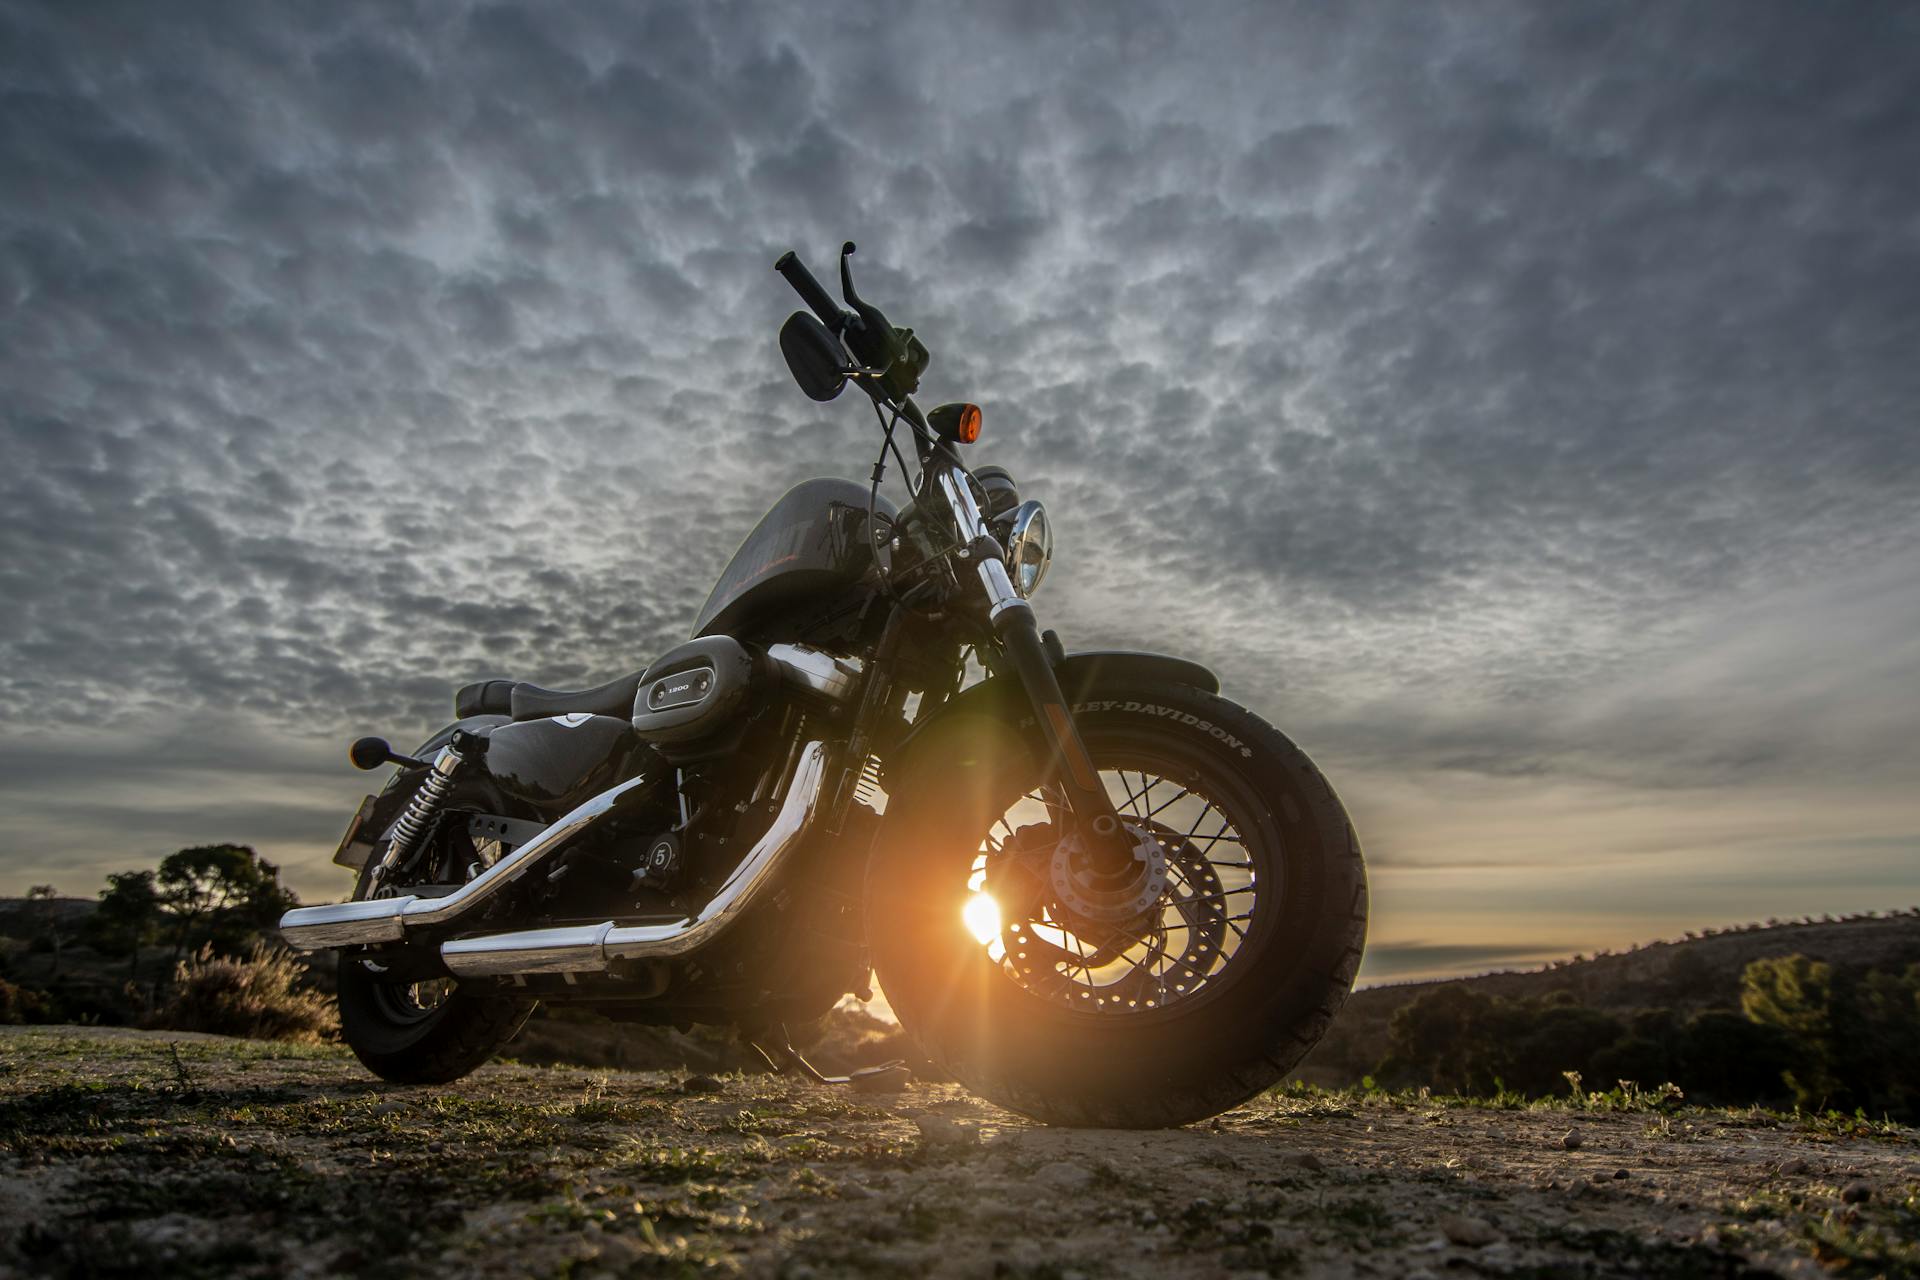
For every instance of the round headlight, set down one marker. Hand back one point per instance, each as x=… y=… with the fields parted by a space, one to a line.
x=1029 y=547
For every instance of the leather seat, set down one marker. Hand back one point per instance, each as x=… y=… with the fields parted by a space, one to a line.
x=531 y=702
x=484 y=698
x=614 y=698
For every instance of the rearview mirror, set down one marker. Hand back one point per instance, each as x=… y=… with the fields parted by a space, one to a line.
x=813 y=355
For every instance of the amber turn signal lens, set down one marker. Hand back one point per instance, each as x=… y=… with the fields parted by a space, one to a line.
x=958 y=422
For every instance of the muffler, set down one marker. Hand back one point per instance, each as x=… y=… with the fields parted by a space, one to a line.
x=376 y=920
x=593 y=948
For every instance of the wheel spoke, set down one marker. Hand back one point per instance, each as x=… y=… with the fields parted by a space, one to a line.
x=1093 y=966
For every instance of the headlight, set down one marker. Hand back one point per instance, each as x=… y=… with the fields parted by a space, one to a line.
x=1029 y=548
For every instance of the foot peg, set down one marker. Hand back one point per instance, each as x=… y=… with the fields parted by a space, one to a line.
x=777 y=1049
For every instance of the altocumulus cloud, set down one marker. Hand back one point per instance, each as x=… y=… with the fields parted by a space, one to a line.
x=1499 y=396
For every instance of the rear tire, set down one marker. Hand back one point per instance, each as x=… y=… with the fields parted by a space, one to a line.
x=1048 y=1049
x=438 y=1045
x=385 y=1022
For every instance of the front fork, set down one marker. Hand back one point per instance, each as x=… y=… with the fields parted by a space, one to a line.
x=1013 y=624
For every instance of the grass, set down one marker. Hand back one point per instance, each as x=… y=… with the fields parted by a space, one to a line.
x=254 y=1153
x=1314 y=1102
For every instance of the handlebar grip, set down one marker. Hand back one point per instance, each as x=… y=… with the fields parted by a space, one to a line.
x=817 y=299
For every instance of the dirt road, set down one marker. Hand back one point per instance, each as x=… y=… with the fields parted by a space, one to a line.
x=128 y=1153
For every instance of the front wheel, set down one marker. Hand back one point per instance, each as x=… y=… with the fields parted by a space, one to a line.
x=1154 y=997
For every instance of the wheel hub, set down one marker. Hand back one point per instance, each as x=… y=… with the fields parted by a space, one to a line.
x=1089 y=894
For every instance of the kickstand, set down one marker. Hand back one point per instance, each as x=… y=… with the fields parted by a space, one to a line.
x=774 y=1045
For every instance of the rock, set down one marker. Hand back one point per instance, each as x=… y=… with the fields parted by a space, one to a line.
x=1856 y=1192
x=1571 y=1140
x=1621 y=1173
x=891 y=1078
x=701 y=1084
x=938 y=1131
x=1465 y=1229
x=1794 y=1167
x=1305 y=1160
x=1063 y=1176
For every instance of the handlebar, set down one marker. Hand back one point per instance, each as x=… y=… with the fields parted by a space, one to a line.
x=818 y=300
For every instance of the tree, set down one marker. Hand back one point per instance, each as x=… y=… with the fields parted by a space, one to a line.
x=127 y=918
x=1795 y=995
x=45 y=900
x=221 y=894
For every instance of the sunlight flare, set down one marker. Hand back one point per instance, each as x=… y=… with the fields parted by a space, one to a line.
x=982 y=915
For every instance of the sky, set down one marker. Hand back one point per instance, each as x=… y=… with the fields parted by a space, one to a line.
x=1514 y=403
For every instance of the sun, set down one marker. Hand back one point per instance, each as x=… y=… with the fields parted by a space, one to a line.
x=982 y=916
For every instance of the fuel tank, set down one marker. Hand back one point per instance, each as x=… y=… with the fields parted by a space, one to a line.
x=562 y=761
x=813 y=543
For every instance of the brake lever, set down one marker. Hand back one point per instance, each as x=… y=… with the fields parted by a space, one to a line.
x=846 y=278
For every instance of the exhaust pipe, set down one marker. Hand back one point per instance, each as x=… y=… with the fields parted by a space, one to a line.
x=374 y=920
x=594 y=948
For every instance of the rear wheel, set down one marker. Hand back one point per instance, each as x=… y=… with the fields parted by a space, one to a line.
x=1156 y=997
x=431 y=1031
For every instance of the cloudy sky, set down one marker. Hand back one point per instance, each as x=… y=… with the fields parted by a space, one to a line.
x=1515 y=403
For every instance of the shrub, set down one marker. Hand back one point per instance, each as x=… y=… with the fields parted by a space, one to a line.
x=256 y=996
x=20 y=1004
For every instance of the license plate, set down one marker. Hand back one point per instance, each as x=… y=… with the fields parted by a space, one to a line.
x=354 y=851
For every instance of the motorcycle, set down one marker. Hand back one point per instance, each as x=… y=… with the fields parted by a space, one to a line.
x=1093 y=890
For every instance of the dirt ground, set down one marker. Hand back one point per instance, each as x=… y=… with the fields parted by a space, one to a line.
x=130 y=1153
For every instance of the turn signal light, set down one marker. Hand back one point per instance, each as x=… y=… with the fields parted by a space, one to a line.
x=957 y=422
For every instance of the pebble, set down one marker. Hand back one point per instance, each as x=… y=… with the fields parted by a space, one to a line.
x=1571 y=1140
x=938 y=1131
x=1064 y=1176
x=1622 y=1173
x=1856 y=1193
x=1465 y=1229
x=701 y=1084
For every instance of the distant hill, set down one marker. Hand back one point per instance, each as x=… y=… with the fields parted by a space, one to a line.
x=24 y=917
x=1686 y=974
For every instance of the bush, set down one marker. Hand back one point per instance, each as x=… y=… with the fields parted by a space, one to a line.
x=20 y=1004
x=256 y=996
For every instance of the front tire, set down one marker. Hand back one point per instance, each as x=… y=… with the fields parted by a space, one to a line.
x=1185 y=1011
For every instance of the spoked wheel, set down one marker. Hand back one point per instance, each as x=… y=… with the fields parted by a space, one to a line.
x=414 y=1030
x=1200 y=888
x=1155 y=995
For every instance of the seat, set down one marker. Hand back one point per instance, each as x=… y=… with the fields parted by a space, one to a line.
x=484 y=698
x=614 y=698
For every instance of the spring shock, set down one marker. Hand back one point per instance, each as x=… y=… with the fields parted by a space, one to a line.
x=417 y=823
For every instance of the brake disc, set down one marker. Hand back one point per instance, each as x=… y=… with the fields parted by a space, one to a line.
x=1182 y=929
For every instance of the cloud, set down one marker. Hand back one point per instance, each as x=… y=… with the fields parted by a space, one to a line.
x=1481 y=388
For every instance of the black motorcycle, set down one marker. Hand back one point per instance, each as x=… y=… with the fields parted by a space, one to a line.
x=1093 y=890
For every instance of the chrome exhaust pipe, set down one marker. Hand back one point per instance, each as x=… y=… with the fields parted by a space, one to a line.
x=375 y=920
x=593 y=948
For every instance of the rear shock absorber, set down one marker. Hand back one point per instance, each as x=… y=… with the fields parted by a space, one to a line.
x=417 y=824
